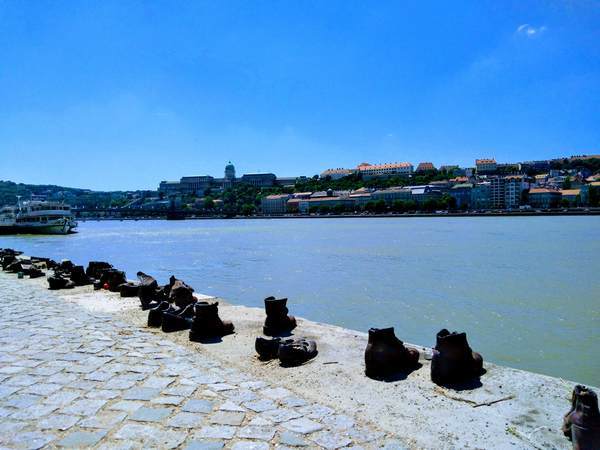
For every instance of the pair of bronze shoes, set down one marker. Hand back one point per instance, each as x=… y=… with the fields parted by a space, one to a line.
x=290 y=351
x=201 y=318
x=453 y=361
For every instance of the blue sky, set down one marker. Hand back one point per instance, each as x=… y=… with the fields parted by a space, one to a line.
x=122 y=94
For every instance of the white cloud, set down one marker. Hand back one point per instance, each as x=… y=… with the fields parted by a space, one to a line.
x=530 y=31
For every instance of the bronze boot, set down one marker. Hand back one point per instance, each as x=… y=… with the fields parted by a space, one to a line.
x=453 y=360
x=207 y=324
x=147 y=291
x=155 y=315
x=584 y=421
x=178 y=320
x=296 y=351
x=566 y=428
x=277 y=321
x=386 y=355
x=180 y=293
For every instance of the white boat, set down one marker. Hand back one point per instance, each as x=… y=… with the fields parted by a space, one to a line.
x=37 y=217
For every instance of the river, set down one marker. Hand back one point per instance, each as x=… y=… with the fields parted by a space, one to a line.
x=525 y=289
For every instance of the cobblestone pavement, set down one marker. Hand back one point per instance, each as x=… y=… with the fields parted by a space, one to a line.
x=69 y=378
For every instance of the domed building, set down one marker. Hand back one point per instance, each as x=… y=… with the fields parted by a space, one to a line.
x=229 y=176
x=230 y=171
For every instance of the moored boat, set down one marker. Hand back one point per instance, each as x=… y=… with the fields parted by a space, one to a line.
x=37 y=217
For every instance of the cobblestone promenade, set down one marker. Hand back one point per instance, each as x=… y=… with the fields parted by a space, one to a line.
x=69 y=378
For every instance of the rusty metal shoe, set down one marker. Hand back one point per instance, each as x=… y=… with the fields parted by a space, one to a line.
x=56 y=282
x=79 y=277
x=180 y=293
x=113 y=278
x=297 y=351
x=95 y=269
x=277 y=321
x=129 y=289
x=34 y=272
x=207 y=324
x=178 y=320
x=386 y=355
x=566 y=428
x=268 y=349
x=147 y=291
x=453 y=361
x=582 y=424
x=155 y=315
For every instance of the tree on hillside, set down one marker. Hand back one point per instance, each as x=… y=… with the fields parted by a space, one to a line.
x=399 y=206
x=339 y=209
x=248 y=209
x=430 y=205
x=209 y=202
x=380 y=206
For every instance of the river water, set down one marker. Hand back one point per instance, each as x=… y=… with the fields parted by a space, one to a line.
x=525 y=289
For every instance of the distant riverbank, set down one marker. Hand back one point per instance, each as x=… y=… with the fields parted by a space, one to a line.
x=523 y=213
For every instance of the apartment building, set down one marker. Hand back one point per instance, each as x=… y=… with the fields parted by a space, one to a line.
x=383 y=170
x=486 y=165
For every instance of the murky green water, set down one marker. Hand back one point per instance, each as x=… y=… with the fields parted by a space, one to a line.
x=526 y=289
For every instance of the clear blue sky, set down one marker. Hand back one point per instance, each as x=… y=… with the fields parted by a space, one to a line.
x=122 y=94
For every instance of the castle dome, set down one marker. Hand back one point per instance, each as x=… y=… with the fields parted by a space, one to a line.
x=230 y=171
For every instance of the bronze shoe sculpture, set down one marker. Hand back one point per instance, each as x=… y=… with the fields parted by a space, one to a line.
x=386 y=355
x=207 y=324
x=155 y=315
x=582 y=423
x=453 y=360
x=277 y=321
x=296 y=351
x=178 y=320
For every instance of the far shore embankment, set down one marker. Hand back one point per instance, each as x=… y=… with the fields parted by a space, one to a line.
x=509 y=408
x=525 y=213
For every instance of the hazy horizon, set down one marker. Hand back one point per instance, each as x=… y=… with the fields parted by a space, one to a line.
x=120 y=95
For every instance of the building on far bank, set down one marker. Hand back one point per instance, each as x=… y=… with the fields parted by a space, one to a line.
x=169 y=187
x=481 y=195
x=573 y=196
x=335 y=174
x=544 y=198
x=391 y=195
x=421 y=194
x=360 y=198
x=507 y=191
x=199 y=184
x=450 y=169
x=486 y=165
x=540 y=179
x=425 y=167
x=538 y=166
x=229 y=179
x=286 y=181
x=196 y=185
x=306 y=206
x=462 y=193
x=275 y=204
x=367 y=170
x=259 y=179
